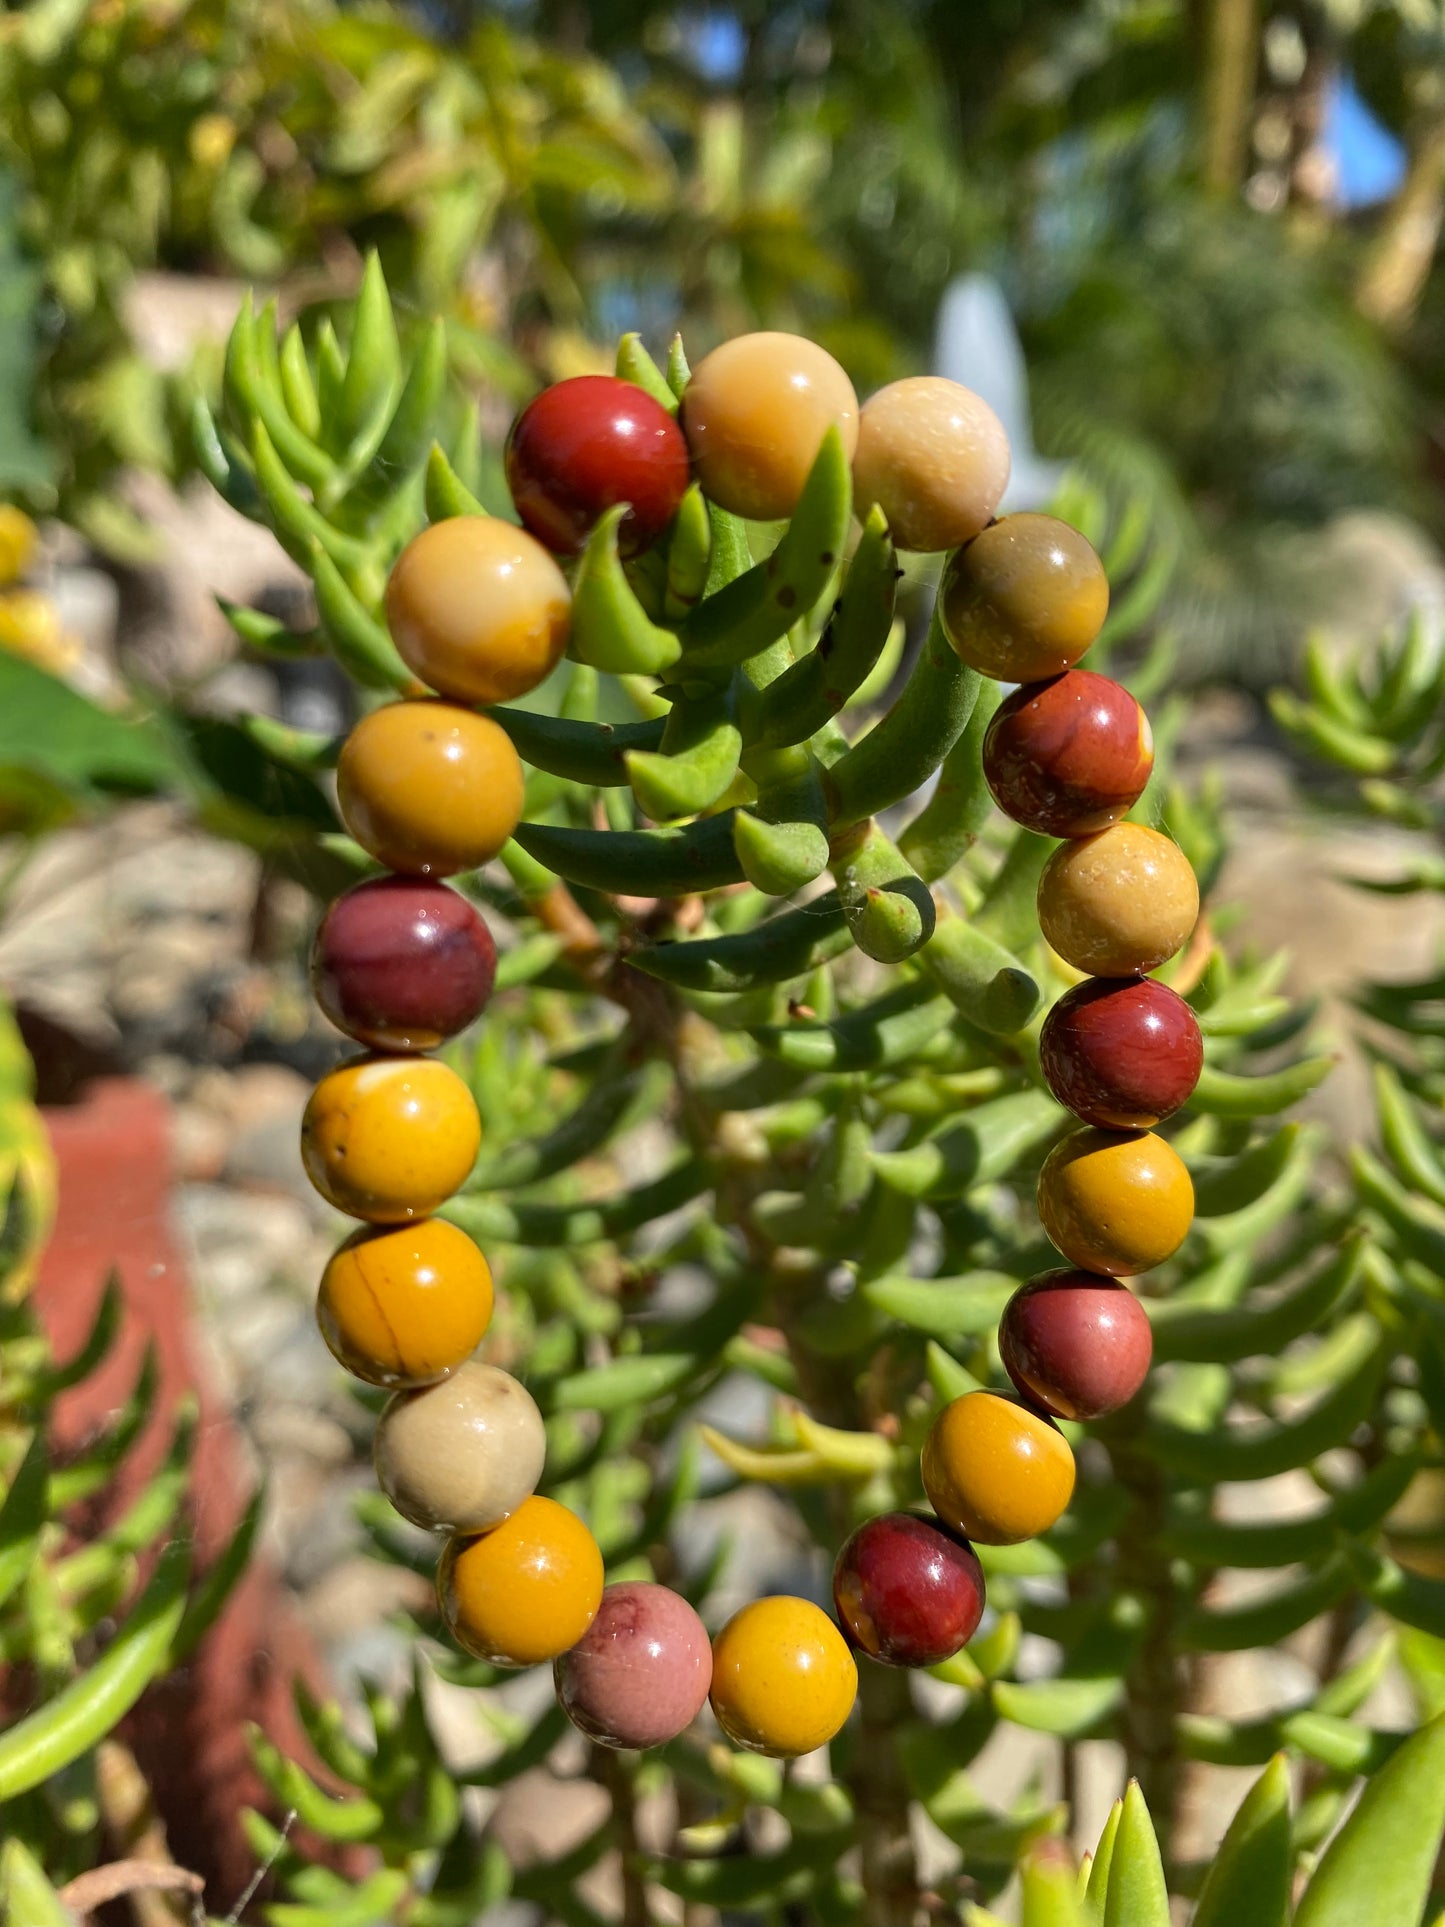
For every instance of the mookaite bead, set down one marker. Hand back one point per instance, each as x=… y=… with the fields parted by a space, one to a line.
x=429 y=789
x=524 y=1592
x=996 y=1471
x=1115 y=1201
x=934 y=457
x=640 y=1674
x=783 y=1680
x=908 y=1592
x=1121 y=1052
x=405 y=1304
x=584 y=445
x=389 y=1138
x=1024 y=599
x=1069 y=756
x=1119 y=903
x=1076 y=1343
x=755 y=414
x=461 y=1455
x=402 y=963
x=478 y=608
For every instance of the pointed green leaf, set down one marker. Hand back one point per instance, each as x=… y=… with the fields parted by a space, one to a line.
x=1248 y=1884
x=1137 y=1895
x=1377 y=1870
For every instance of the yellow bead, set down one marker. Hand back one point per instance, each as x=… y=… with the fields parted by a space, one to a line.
x=388 y=1139
x=995 y=1471
x=429 y=789
x=783 y=1680
x=405 y=1305
x=934 y=457
x=1115 y=1201
x=478 y=609
x=1024 y=599
x=524 y=1592
x=755 y=414
x=1119 y=903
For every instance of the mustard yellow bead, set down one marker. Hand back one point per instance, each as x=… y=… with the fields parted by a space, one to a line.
x=429 y=789
x=406 y=1304
x=388 y=1139
x=1118 y=903
x=1024 y=599
x=524 y=1592
x=1115 y=1201
x=783 y=1680
x=755 y=414
x=995 y=1471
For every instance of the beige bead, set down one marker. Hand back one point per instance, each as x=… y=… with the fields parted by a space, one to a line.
x=1119 y=903
x=755 y=414
x=462 y=1455
x=934 y=457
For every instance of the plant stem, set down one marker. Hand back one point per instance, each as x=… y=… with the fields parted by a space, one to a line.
x=1156 y=1685
x=1231 y=59
x=1399 y=262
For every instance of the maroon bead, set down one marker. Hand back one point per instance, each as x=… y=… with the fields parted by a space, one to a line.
x=402 y=963
x=1077 y=1344
x=908 y=1592
x=586 y=444
x=1068 y=756
x=1121 y=1052
x=640 y=1674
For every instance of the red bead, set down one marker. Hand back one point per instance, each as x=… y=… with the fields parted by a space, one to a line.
x=402 y=963
x=586 y=444
x=1121 y=1052
x=1076 y=1343
x=907 y=1591
x=1068 y=756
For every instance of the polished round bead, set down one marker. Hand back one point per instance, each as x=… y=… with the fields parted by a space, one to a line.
x=1115 y=1201
x=584 y=445
x=478 y=609
x=934 y=457
x=1121 y=1052
x=388 y=1139
x=402 y=963
x=1076 y=1343
x=1069 y=756
x=640 y=1674
x=1119 y=903
x=907 y=1592
x=405 y=1304
x=524 y=1592
x=996 y=1471
x=463 y=1454
x=1024 y=599
x=429 y=789
x=755 y=414
x=783 y=1679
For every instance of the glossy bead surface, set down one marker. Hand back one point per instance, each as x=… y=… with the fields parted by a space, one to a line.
x=582 y=446
x=1069 y=756
x=995 y=1471
x=640 y=1674
x=406 y=1304
x=755 y=414
x=524 y=1592
x=907 y=1592
x=429 y=789
x=1024 y=599
x=1119 y=903
x=1121 y=1052
x=402 y=963
x=783 y=1679
x=1076 y=1343
x=478 y=608
x=934 y=457
x=1115 y=1201
x=388 y=1139
x=461 y=1455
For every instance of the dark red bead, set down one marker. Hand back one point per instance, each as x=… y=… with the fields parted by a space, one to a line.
x=1121 y=1052
x=907 y=1591
x=586 y=444
x=402 y=963
x=1075 y=1343
x=1068 y=756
